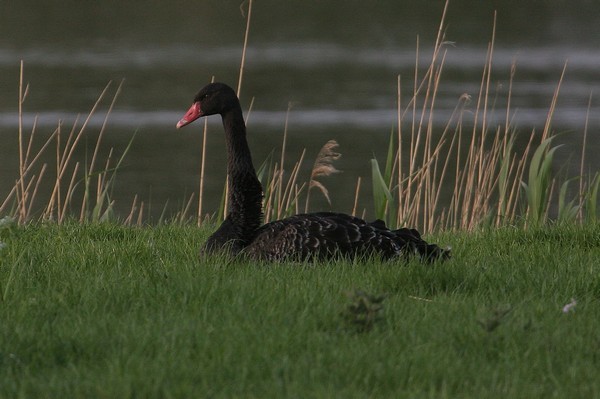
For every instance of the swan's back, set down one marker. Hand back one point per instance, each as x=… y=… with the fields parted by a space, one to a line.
x=325 y=234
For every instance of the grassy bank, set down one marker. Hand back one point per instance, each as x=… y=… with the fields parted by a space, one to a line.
x=110 y=311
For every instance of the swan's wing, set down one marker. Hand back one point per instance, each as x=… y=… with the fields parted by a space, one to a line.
x=325 y=234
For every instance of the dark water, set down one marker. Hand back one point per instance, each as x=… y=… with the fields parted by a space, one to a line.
x=336 y=63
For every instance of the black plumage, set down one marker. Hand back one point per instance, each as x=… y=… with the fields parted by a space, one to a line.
x=319 y=235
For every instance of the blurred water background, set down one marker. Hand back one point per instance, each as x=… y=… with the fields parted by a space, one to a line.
x=335 y=63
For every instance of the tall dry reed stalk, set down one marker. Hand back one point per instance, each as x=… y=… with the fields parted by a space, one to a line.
x=281 y=195
x=202 y=166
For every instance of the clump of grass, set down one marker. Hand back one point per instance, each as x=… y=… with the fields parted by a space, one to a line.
x=363 y=311
x=537 y=188
x=494 y=318
x=567 y=210
x=590 y=199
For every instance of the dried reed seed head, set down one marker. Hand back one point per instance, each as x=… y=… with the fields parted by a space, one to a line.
x=323 y=165
x=324 y=170
x=327 y=151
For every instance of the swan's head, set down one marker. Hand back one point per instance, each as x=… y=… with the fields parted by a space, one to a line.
x=214 y=98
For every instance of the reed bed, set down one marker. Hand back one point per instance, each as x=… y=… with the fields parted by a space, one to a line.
x=94 y=178
x=491 y=182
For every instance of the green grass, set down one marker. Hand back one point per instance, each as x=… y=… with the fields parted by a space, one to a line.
x=105 y=311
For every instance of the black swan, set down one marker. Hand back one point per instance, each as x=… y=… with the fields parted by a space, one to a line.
x=319 y=235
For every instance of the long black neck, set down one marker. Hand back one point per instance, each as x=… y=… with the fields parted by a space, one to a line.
x=244 y=211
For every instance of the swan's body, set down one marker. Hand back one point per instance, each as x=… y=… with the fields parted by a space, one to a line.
x=317 y=235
